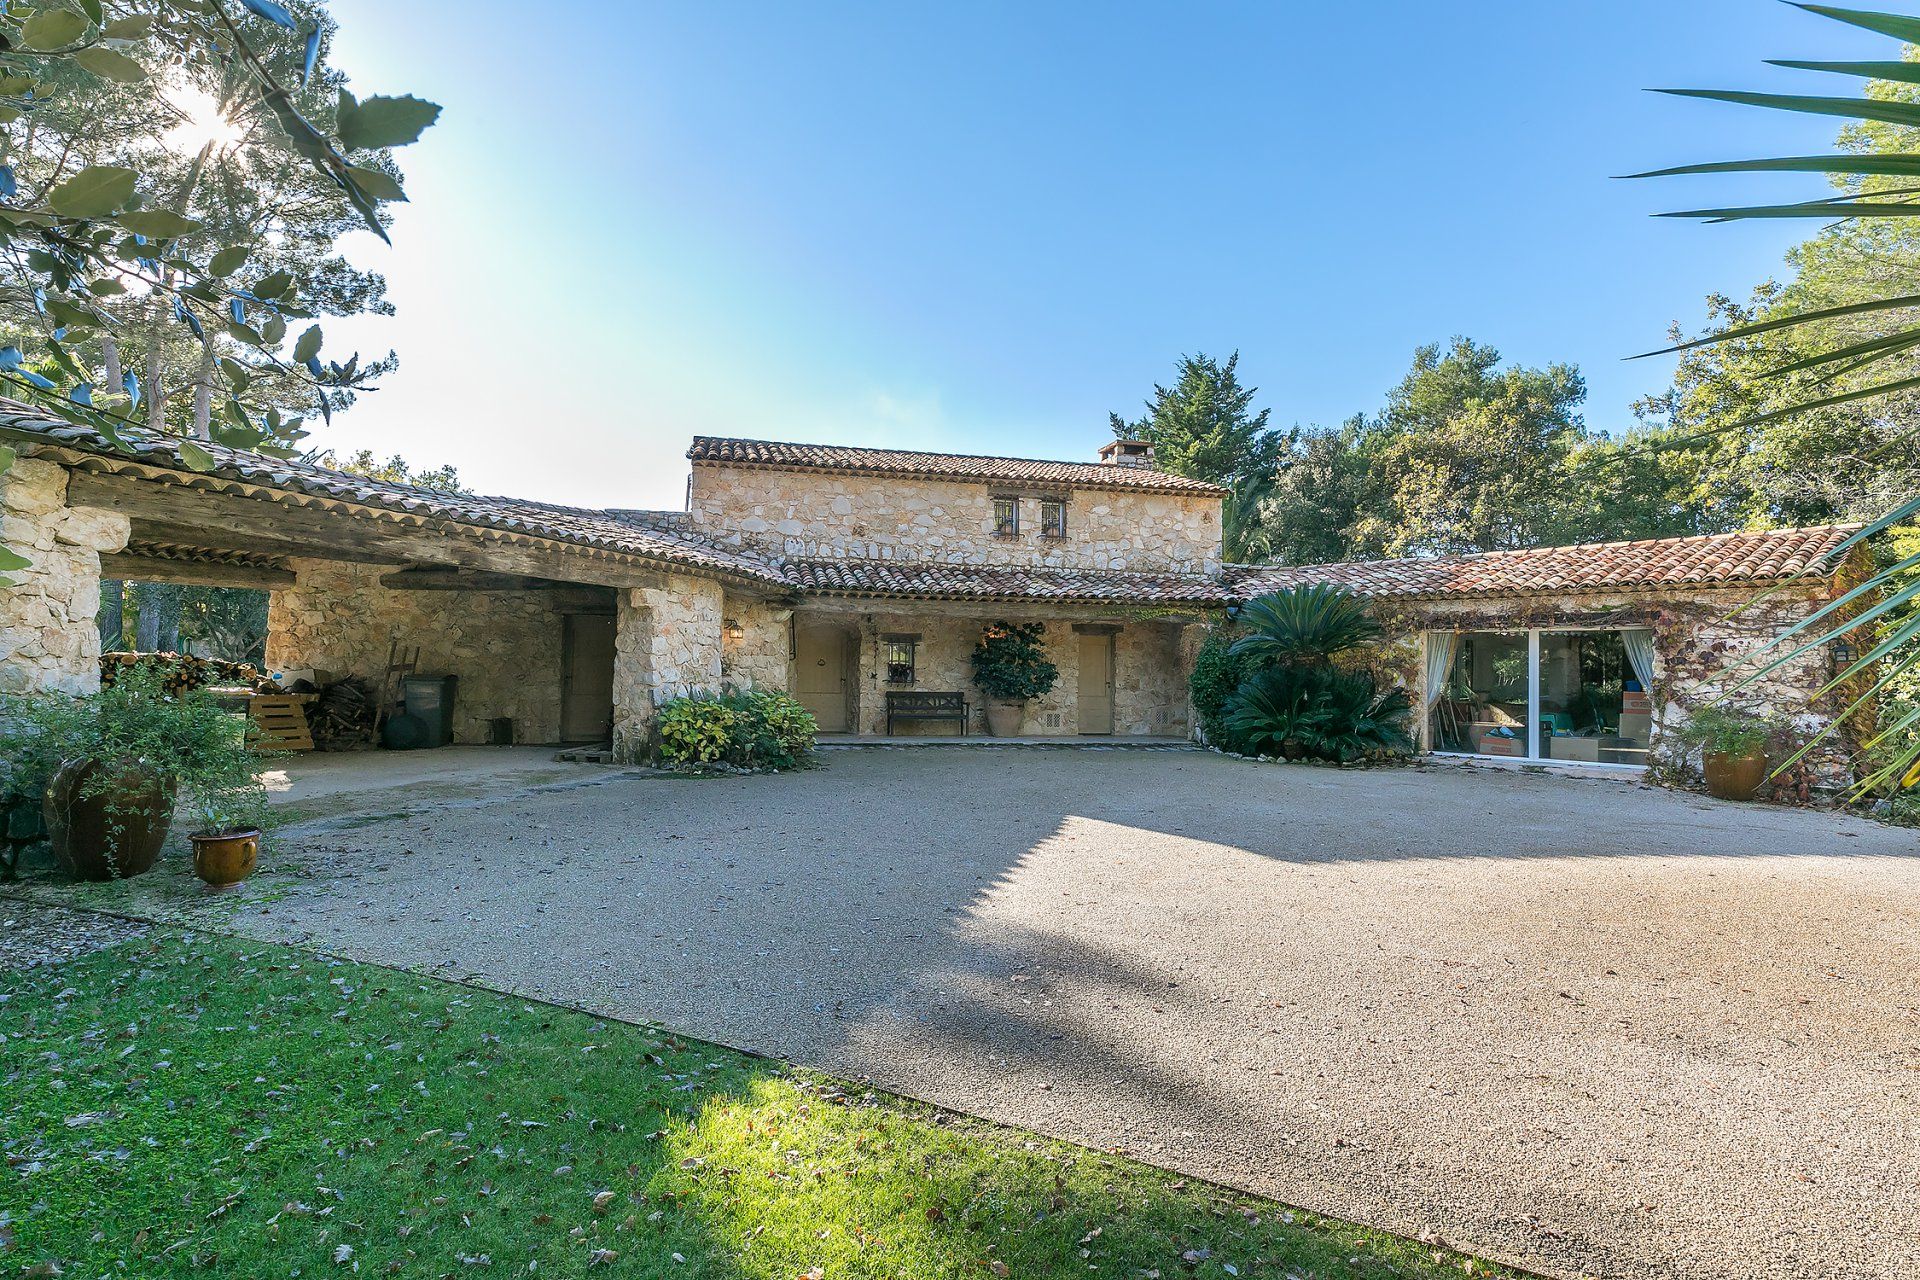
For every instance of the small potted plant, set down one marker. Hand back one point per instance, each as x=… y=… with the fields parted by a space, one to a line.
x=114 y=764
x=231 y=812
x=1011 y=667
x=1733 y=750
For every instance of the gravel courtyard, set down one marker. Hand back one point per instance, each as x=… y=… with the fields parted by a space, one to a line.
x=1583 y=1025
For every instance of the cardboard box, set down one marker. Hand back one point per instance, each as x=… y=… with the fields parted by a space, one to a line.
x=1585 y=750
x=1641 y=702
x=1494 y=745
x=1637 y=725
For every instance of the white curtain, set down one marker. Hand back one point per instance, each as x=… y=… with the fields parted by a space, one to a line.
x=1440 y=650
x=1639 y=645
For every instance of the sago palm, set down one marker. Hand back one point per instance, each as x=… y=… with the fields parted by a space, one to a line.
x=1308 y=624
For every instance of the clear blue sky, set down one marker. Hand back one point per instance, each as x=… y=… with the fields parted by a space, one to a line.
x=982 y=226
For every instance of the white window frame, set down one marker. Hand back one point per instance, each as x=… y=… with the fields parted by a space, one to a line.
x=1533 y=756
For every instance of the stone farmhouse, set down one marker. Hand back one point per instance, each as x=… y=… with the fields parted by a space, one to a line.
x=851 y=576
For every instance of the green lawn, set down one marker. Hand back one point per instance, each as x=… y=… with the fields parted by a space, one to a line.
x=175 y=1106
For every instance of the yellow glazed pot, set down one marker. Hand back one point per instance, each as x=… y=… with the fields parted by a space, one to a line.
x=225 y=859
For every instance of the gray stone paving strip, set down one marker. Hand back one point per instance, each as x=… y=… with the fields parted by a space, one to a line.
x=32 y=934
x=1585 y=1026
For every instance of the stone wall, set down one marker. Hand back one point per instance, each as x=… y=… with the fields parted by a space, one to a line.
x=1152 y=659
x=48 y=636
x=760 y=655
x=670 y=642
x=505 y=646
x=1150 y=670
x=820 y=515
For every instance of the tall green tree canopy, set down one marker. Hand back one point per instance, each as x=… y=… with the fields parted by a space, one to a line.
x=1473 y=454
x=1205 y=426
x=175 y=175
x=1325 y=485
x=1466 y=455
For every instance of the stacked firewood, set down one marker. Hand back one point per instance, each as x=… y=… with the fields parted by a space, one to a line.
x=180 y=672
x=342 y=717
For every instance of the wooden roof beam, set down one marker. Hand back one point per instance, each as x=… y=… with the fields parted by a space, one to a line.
x=131 y=566
x=439 y=578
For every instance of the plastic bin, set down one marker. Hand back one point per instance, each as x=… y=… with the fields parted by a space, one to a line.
x=429 y=699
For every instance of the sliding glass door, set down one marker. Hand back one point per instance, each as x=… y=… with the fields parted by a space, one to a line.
x=1570 y=696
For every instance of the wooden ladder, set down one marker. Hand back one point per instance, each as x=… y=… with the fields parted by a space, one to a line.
x=400 y=664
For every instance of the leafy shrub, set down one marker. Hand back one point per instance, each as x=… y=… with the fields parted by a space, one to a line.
x=770 y=730
x=1010 y=664
x=1718 y=731
x=1267 y=685
x=694 y=729
x=1892 y=752
x=1217 y=672
x=1316 y=713
x=749 y=729
x=184 y=736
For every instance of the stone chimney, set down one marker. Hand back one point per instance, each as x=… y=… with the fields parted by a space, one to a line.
x=1127 y=453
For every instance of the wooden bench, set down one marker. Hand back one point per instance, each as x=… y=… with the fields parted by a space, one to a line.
x=928 y=706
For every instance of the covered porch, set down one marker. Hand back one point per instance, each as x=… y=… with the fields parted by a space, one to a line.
x=883 y=670
x=557 y=625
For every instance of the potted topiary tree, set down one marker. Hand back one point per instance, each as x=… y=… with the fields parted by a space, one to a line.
x=1733 y=750
x=1011 y=667
x=114 y=764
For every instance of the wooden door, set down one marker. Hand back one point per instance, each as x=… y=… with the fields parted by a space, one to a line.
x=586 y=685
x=1096 y=684
x=820 y=675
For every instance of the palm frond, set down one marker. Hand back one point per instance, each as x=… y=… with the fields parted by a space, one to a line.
x=1305 y=624
x=1883 y=612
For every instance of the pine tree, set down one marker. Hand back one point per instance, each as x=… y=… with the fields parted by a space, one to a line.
x=1204 y=426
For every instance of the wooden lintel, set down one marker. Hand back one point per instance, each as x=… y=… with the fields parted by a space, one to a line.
x=179 y=513
x=436 y=578
x=134 y=567
x=169 y=533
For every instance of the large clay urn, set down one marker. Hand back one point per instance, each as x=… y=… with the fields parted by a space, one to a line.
x=1004 y=718
x=107 y=819
x=1731 y=777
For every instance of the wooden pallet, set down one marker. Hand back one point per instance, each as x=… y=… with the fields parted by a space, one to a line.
x=280 y=721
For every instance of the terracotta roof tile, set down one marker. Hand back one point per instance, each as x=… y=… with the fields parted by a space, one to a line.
x=926 y=580
x=1721 y=559
x=784 y=456
x=1713 y=560
x=646 y=535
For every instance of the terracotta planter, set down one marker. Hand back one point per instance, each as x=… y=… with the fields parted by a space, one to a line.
x=225 y=859
x=107 y=819
x=1005 y=719
x=1735 y=777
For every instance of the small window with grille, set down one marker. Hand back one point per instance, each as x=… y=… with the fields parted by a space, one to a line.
x=900 y=658
x=1053 y=518
x=1006 y=517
